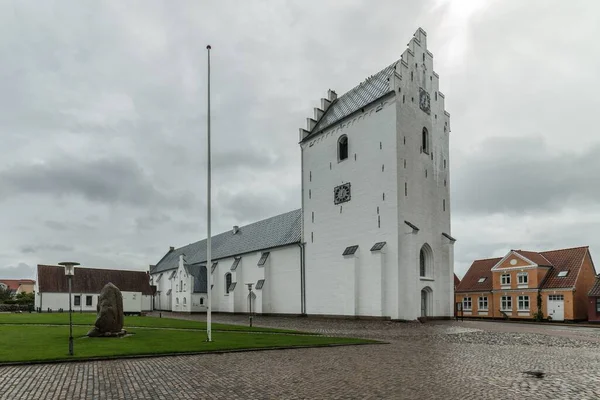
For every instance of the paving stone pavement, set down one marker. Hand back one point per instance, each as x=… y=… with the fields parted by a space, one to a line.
x=437 y=360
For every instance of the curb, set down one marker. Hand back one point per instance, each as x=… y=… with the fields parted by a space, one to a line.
x=194 y=353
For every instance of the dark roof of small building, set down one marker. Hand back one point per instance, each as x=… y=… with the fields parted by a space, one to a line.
x=568 y=260
x=595 y=290
x=280 y=230
x=52 y=279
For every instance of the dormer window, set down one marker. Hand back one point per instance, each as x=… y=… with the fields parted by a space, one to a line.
x=562 y=274
x=481 y=280
x=342 y=148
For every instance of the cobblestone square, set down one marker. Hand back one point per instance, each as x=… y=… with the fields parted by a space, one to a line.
x=435 y=360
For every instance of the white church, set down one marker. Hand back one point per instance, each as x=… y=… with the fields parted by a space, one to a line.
x=372 y=238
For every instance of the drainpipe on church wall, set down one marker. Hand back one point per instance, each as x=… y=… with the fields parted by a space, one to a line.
x=302 y=280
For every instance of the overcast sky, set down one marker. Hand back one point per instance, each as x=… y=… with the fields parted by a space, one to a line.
x=103 y=118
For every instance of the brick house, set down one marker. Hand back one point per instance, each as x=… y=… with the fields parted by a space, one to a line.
x=594 y=302
x=509 y=286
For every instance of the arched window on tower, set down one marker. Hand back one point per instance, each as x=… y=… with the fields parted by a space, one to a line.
x=425 y=141
x=227 y=281
x=426 y=261
x=342 y=148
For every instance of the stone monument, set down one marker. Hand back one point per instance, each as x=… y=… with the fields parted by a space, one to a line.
x=109 y=322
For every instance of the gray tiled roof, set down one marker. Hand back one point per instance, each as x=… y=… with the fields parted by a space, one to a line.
x=365 y=93
x=198 y=271
x=279 y=230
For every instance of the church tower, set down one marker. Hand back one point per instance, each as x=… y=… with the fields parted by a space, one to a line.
x=376 y=196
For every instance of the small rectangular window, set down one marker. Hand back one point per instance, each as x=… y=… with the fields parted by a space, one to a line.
x=309 y=194
x=260 y=283
x=311 y=237
x=467 y=304
x=313 y=217
x=522 y=278
x=77 y=300
x=483 y=303
x=481 y=280
x=562 y=274
x=505 y=279
x=379 y=221
x=88 y=300
x=523 y=303
x=444 y=204
x=405 y=189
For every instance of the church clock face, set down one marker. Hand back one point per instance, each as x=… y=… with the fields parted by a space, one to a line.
x=424 y=101
x=341 y=194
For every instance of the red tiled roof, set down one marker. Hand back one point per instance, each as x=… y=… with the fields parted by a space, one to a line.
x=479 y=269
x=563 y=260
x=569 y=260
x=91 y=280
x=595 y=290
x=537 y=258
x=13 y=284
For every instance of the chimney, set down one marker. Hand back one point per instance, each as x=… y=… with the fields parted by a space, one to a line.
x=171 y=249
x=235 y=229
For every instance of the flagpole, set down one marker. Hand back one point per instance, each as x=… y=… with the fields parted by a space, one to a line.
x=208 y=237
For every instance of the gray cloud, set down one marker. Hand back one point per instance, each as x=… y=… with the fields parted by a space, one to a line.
x=46 y=247
x=522 y=175
x=117 y=180
x=20 y=271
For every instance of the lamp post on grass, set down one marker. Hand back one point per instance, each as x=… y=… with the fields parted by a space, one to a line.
x=250 y=301
x=70 y=272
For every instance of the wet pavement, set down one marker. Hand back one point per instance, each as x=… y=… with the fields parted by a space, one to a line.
x=435 y=360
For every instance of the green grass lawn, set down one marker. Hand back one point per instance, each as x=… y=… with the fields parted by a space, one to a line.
x=88 y=319
x=44 y=343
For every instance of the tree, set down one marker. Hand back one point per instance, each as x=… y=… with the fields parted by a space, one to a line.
x=25 y=298
x=5 y=294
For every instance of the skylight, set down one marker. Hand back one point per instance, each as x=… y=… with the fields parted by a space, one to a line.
x=562 y=274
x=481 y=280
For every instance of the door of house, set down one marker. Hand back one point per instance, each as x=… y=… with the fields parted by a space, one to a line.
x=556 y=307
x=423 y=303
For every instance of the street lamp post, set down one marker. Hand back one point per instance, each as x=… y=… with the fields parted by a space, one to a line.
x=70 y=272
x=250 y=301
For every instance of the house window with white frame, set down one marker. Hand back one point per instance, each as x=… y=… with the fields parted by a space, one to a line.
x=506 y=303
x=523 y=303
x=522 y=278
x=483 y=303
x=467 y=304
x=505 y=279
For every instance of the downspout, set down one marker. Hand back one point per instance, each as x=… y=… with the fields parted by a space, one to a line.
x=302 y=281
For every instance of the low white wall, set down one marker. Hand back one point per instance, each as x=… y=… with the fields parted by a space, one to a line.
x=132 y=301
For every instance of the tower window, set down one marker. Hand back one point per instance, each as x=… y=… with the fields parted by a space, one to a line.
x=313 y=216
x=444 y=164
x=444 y=183
x=405 y=189
x=405 y=163
x=310 y=176
x=425 y=141
x=382 y=168
x=379 y=221
x=423 y=57
x=309 y=194
x=342 y=148
x=312 y=239
x=411 y=75
x=383 y=196
x=403 y=98
x=444 y=204
x=425 y=173
x=435 y=96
